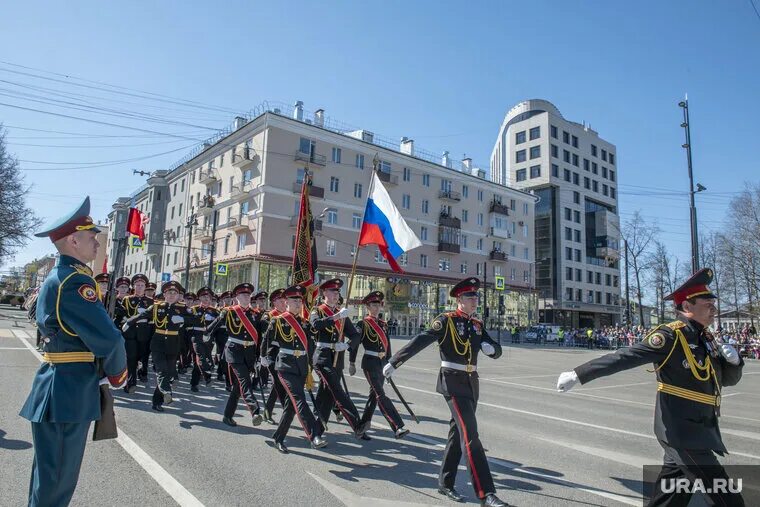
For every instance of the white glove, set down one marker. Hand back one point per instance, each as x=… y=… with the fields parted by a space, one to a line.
x=206 y=338
x=141 y=310
x=177 y=319
x=566 y=381
x=141 y=321
x=730 y=353
x=351 y=369
x=388 y=370
x=209 y=317
x=487 y=349
x=125 y=328
x=342 y=314
x=341 y=347
x=265 y=362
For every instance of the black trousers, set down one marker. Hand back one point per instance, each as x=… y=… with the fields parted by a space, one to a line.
x=242 y=386
x=692 y=464
x=185 y=353
x=331 y=391
x=463 y=434
x=143 y=351
x=276 y=393
x=377 y=397
x=202 y=362
x=133 y=355
x=292 y=393
x=222 y=370
x=166 y=370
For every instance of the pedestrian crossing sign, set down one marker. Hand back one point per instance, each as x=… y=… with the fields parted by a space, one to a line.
x=221 y=269
x=135 y=242
x=499 y=282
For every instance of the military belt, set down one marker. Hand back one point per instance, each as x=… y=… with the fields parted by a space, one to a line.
x=469 y=368
x=682 y=392
x=292 y=352
x=166 y=332
x=198 y=328
x=325 y=345
x=244 y=343
x=68 y=357
x=372 y=353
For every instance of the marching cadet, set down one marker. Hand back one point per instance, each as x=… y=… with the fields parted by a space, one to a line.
x=122 y=287
x=241 y=353
x=77 y=331
x=691 y=368
x=137 y=338
x=259 y=305
x=277 y=300
x=460 y=338
x=167 y=319
x=290 y=347
x=377 y=349
x=150 y=290
x=103 y=279
x=186 y=360
x=220 y=340
x=204 y=313
x=226 y=299
x=328 y=322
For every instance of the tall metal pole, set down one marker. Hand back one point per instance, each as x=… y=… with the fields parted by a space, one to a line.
x=486 y=312
x=212 y=249
x=190 y=223
x=692 y=208
x=627 y=286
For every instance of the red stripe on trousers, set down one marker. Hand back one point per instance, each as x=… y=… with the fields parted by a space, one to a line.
x=475 y=477
x=295 y=407
x=240 y=386
x=340 y=407
x=379 y=403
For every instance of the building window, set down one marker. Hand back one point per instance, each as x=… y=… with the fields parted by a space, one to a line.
x=407 y=174
x=594 y=168
x=423 y=233
x=535 y=133
x=612 y=175
x=568 y=254
x=586 y=182
x=612 y=192
x=604 y=172
x=578 y=275
x=172 y=212
x=576 y=197
x=406 y=201
x=568 y=234
x=426 y=180
x=464 y=241
x=553 y=131
x=555 y=151
x=330 y=248
x=358 y=190
x=520 y=156
x=168 y=258
x=575 y=141
x=480 y=195
x=569 y=294
x=465 y=191
x=612 y=158
x=334 y=183
x=604 y=154
x=444 y=264
x=568 y=214
x=385 y=167
x=577 y=236
x=332 y=216
x=480 y=218
x=423 y=260
x=480 y=245
x=555 y=170
x=242 y=242
x=566 y=173
x=403 y=259
x=565 y=137
x=359 y=161
x=520 y=175
x=577 y=217
x=465 y=214
x=336 y=153
x=356 y=221
x=425 y=206
x=226 y=247
x=605 y=190
x=520 y=137
x=535 y=152
x=575 y=160
x=566 y=156
x=569 y=274
x=586 y=164
x=535 y=171
x=595 y=186
x=576 y=179
x=593 y=150
x=577 y=255
x=463 y=267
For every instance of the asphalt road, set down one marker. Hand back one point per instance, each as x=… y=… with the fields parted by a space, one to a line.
x=585 y=447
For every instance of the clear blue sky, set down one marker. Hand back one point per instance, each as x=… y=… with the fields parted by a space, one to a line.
x=443 y=73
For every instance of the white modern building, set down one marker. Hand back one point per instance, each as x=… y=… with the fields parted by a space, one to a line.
x=574 y=172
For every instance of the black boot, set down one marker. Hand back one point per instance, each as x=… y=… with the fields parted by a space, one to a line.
x=280 y=446
x=491 y=500
x=228 y=421
x=451 y=494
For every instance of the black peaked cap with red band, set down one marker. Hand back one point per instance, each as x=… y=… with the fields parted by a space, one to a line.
x=467 y=287
x=375 y=296
x=140 y=276
x=694 y=287
x=243 y=288
x=172 y=286
x=333 y=283
x=123 y=281
x=295 y=291
x=276 y=294
x=205 y=291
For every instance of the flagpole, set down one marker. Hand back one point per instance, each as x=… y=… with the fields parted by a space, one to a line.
x=375 y=166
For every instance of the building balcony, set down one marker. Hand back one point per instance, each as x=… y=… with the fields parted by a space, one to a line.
x=497 y=207
x=448 y=247
x=242 y=158
x=445 y=220
x=202 y=233
x=206 y=207
x=239 y=223
x=208 y=177
x=450 y=195
x=500 y=233
x=312 y=158
x=606 y=252
x=387 y=178
x=498 y=255
x=240 y=191
x=317 y=223
x=314 y=191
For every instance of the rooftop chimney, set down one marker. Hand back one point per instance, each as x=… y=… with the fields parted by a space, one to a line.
x=407 y=146
x=319 y=118
x=445 y=159
x=298 y=111
x=467 y=165
x=239 y=122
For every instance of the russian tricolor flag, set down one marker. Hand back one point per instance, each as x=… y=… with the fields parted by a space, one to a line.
x=384 y=226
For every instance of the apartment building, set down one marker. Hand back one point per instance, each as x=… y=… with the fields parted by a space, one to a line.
x=574 y=173
x=243 y=193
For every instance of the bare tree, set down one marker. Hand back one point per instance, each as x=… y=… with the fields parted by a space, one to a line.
x=17 y=220
x=640 y=236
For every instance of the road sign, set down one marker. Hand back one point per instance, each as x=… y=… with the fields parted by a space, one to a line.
x=221 y=269
x=499 y=282
x=166 y=277
x=135 y=242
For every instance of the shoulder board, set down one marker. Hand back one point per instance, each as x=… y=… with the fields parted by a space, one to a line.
x=479 y=322
x=82 y=269
x=448 y=314
x=676 y=324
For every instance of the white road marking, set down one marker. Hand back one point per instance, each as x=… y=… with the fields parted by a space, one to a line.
x=178 y=492
x=619 y=457
x=582 y=389
x=727 y=395
x=353 y=500
x=12 y=348
x=740 y=433
x=20 y=333
x=6 y=333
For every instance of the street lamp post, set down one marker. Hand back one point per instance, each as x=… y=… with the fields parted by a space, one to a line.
x=684 y=104
x=191 y=222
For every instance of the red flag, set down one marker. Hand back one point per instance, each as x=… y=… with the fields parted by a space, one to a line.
x=136 y=223
x=305 y=252
x=105 y=265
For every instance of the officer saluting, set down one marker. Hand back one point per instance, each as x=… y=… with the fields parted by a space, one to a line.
x=65 y=395
x=460 y=338
x=377 y=349
x=691 y=369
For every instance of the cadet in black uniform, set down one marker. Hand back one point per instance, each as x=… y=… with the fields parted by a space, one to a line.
x=150 y=290
x=277 y=300
x=291 y=344
x=137 y=337
x=219 y=336
x=691 y=368
x=186 y=353
x=327 y=322
x=241 y=353
x=259 y=306
x=460 y=338
x=377 y=349
x=167 y=319
x=205 y=314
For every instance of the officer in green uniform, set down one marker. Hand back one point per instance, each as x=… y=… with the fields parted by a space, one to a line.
x=691 y=367
x=76 y=330
x=460 y=338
